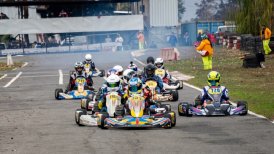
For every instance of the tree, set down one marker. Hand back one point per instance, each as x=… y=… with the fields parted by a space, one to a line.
x=252 y=14
x=206 y=9
x=181 y=9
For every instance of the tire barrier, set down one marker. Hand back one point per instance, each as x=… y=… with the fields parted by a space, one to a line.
x=170 y=54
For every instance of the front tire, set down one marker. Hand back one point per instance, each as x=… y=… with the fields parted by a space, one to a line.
x=175 y=95
x=78 y=114
x=57 y=93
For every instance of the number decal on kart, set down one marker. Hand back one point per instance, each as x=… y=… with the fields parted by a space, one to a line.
x=151 y=84
x=214 y=91
x=113 y=97
x=80 y=80
x=160 y=72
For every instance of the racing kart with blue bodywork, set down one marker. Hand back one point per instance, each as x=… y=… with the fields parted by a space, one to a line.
x=212 y=107
x=135 y=116
x=80 y=91
x=169 y=84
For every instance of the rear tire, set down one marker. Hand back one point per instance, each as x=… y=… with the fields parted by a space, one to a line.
x=243 y=103
x=102 y=73
x=175 y=95
x=180 y=84
x=173 y=120
x=102 y=121
x=57 y=93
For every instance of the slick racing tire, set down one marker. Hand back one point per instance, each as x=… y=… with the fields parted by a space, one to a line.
x=102 y=73
x=180 y=83
x=57 y=92
x=173 y=118
x=243 y=103
x=101 y=119
x=175 y=95
x=77 y=116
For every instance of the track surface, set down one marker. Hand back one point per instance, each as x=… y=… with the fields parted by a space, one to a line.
x=32 y=121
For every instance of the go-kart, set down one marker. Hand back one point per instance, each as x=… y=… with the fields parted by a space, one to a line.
x=151 y=90
x=135 y=117
x=169 y=84
x=87 y=115
x=213 y=107
x=80 y=91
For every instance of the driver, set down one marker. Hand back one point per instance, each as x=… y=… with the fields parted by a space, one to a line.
x=149 y=74
x=213 y=80
x=159 y=63
x=88 y=60
x=79 y=72
x=113 y=84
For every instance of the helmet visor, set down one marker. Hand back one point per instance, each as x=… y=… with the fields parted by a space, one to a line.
x=113 y=84
x=213 y=82
x=159 y=65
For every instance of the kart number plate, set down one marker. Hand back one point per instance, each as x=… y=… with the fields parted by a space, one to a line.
x=214 y=91
x=113 y=97
x=151 y=84
x=81 y=80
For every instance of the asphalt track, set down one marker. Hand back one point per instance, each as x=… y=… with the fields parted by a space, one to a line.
x=32 y=121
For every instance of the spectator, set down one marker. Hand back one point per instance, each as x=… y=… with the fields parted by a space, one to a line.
x=119 y=39
x=172 y=40
x=141 y=40
x=108 y=39
x=265 y=36
x=186 y=38
x=63 y=13
x=199 y=38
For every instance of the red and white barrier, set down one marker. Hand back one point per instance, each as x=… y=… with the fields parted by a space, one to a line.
x=169 y=54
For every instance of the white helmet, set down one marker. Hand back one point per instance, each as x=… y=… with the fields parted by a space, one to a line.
x=128 y=74
x=88 y=57
x=113 y=82
x=119 y=69
x=159 y=63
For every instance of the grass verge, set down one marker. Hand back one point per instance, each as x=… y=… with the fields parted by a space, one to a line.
x=254 y=85
x=4 y=67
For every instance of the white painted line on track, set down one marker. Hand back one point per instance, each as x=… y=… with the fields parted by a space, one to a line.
x=5 y=75
x=12 y=80
x=61 y=77
x=199 y=89
x=25 y=64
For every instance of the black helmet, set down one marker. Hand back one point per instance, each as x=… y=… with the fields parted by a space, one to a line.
x=150 y=70
x=150 y=60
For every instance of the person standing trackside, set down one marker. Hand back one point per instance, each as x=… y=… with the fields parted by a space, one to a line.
x=205 y=49
x=141 y=40
x=265 y=36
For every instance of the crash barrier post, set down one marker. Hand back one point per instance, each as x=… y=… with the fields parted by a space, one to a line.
x=9 y=60
x=169 y=54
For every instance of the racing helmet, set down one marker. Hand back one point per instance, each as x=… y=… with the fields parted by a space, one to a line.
x=150 y=60
x=127 y=75
x=132 y=66
x=88 y=57
x=119 y=69
x=159 y=63
x=204 y=36
x=213 y=78
x=113 y=82
x=150 y=70
x=112 y=71
x=135 y=86
x=79 y=67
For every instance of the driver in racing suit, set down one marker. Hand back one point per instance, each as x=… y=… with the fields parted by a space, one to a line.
x=149 y=74
x=159 y=63
x=113 y=83
x=88 y=60
x=79 y=72
x=213 y=79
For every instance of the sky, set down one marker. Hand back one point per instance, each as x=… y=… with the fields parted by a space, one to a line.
x=190 y=9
